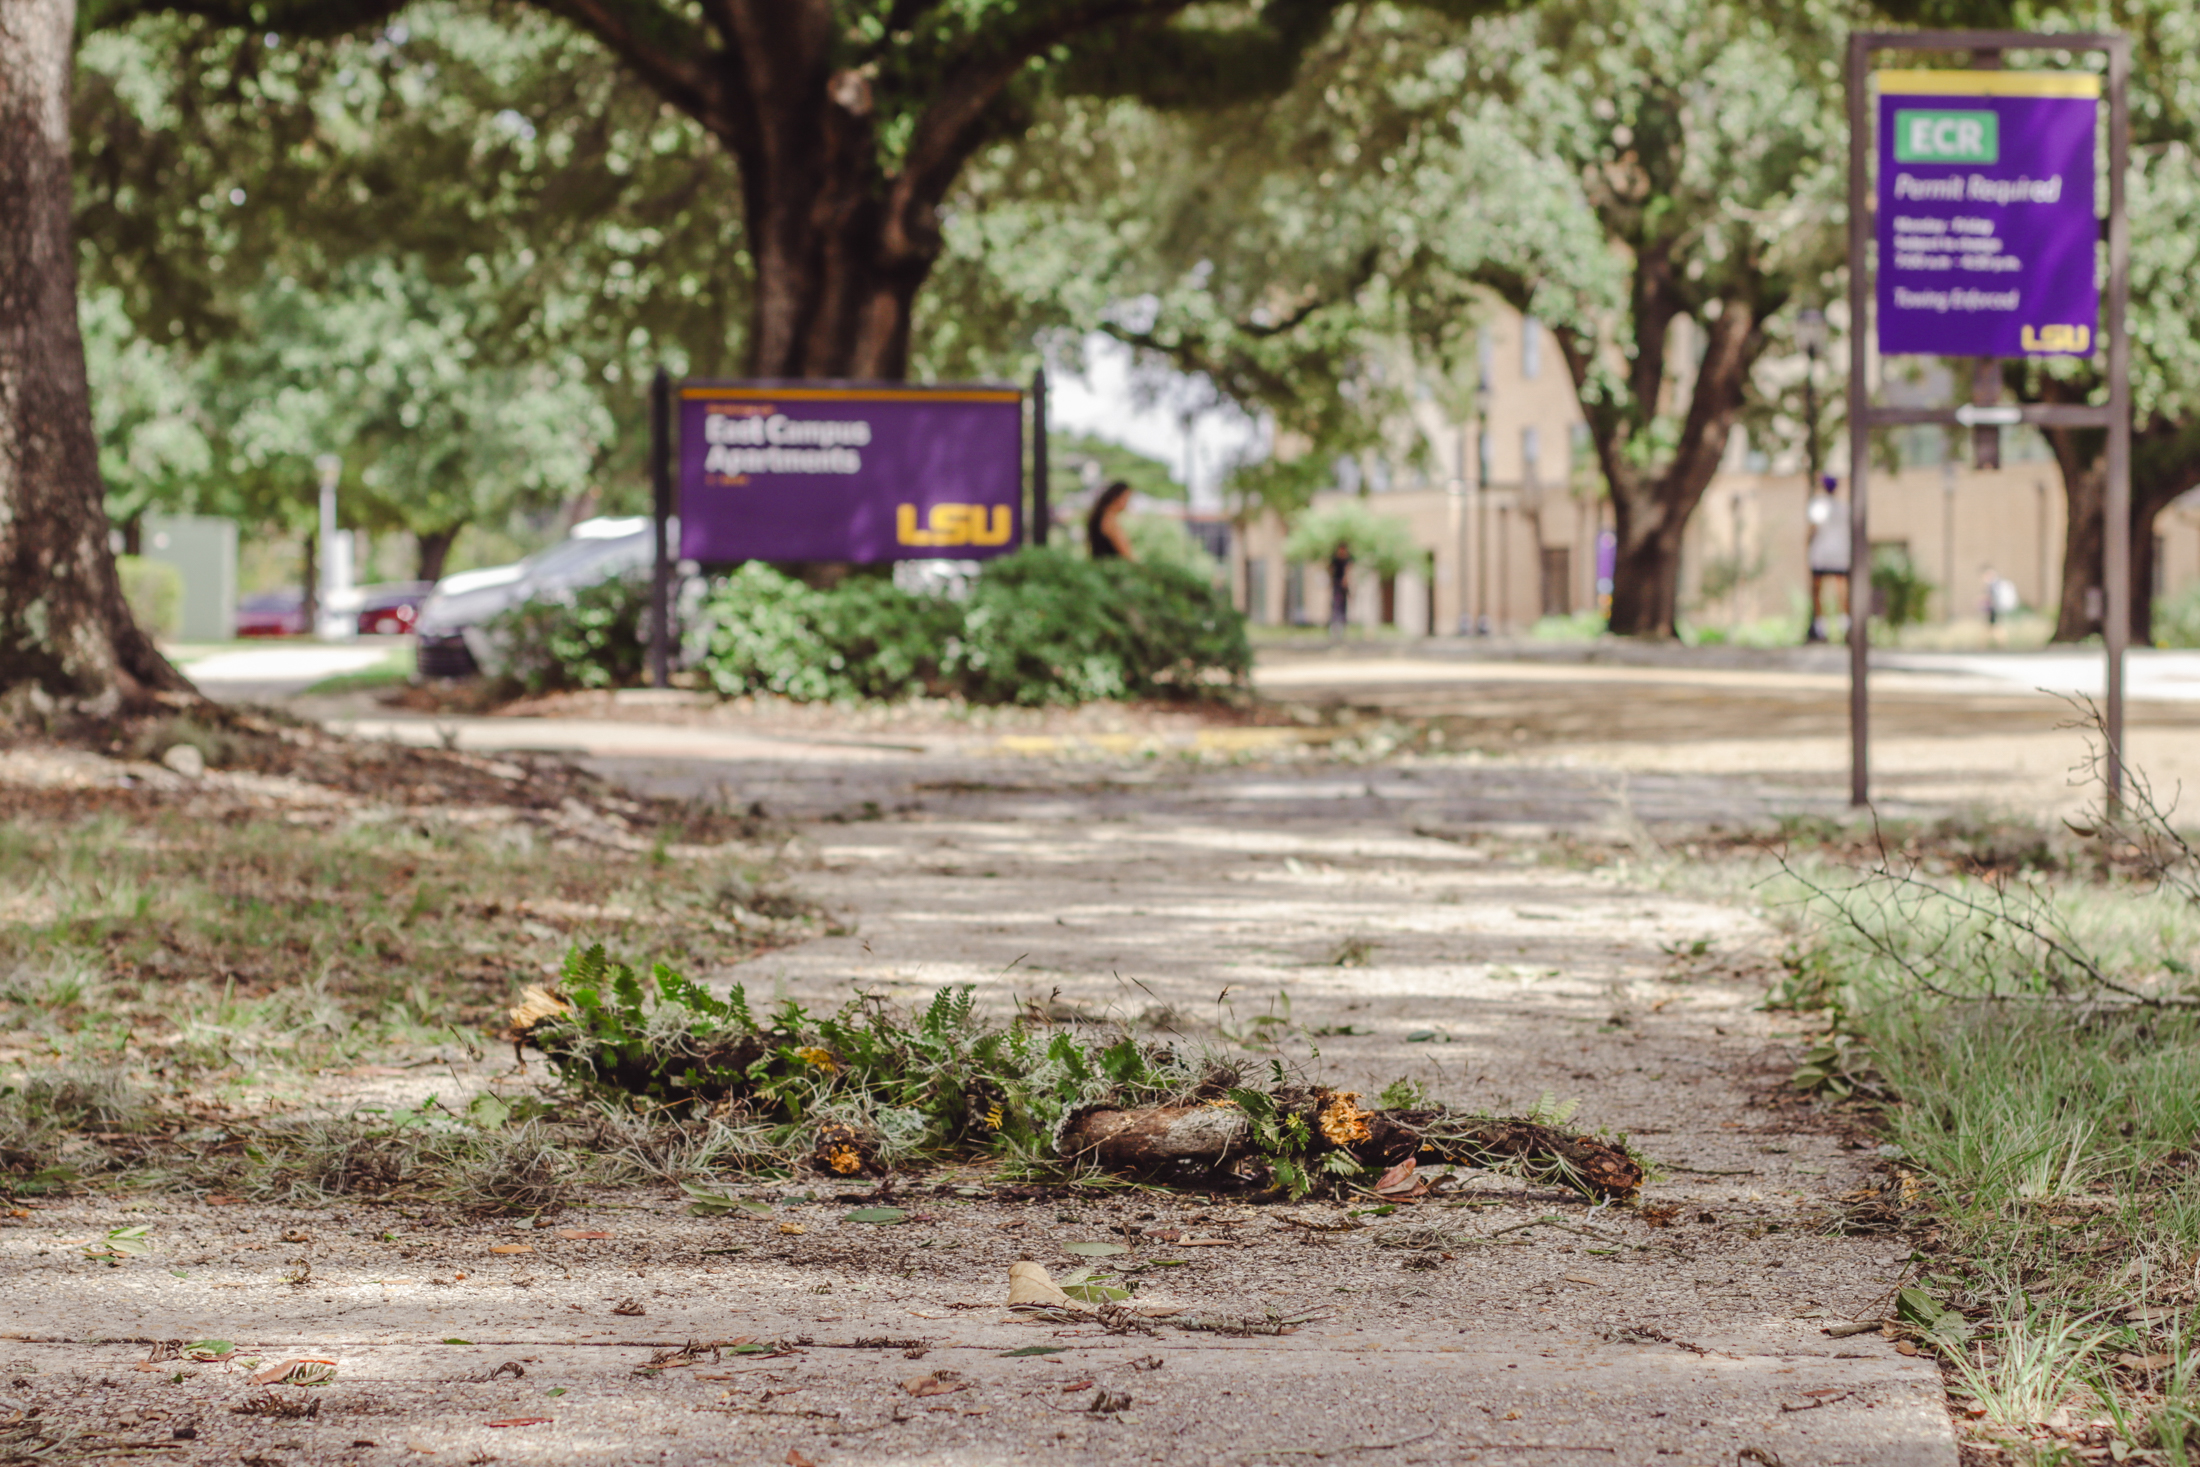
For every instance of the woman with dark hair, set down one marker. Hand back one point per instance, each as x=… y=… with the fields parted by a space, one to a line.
x=1104 y=535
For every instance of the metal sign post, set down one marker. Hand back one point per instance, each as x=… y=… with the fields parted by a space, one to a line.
x=660 y=498
x=1994 y=300
x=1042 y=510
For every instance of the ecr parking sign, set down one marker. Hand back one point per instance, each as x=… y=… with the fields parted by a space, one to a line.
x=1987 y=230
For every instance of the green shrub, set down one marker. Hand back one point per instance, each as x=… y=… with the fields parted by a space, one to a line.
x=589 y=638
x=154 y=589
x=1898 y=588
x=2177 y=619
x=1042 y=627
x=1038 y=627
x=865 y=638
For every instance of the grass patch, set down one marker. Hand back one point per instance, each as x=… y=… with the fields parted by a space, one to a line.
x=221 y=964
x=2032 y=1026
x=395 y=670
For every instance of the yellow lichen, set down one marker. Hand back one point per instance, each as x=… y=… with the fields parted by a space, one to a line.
x=819 y=1058
x=845 y=1159
x=1341 y=1119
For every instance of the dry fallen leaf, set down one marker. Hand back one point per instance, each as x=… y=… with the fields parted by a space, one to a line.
x=522 y=1421
x=1399 y=1181
x=1028 y=1283
x=583 y=1233
x=796 y=1459
x=2143 y=1362
x=1205 y=1243
x=513 y=1248
x=629 y=1307
x=306 y=1370
x=934 y=1385
x=793 y=1230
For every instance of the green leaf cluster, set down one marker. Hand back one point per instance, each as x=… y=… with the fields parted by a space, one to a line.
x=590 y=637
x=944 y=1080
x=1943 y=1328
x=864 y=638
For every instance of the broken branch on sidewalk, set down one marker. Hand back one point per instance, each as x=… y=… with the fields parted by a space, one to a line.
x=868 y=1088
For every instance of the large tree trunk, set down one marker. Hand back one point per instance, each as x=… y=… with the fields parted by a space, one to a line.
x=2085 y=494
x=1646 y=566
x=435 y=548
x=65 y=630
x=2165 y=462
x=842 y=247
x=1651 y=511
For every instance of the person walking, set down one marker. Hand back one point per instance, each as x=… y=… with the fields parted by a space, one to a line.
x=1105 y=538
x=1829 y=554
x=1340 y=587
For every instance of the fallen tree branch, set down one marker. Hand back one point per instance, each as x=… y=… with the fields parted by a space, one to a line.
x=1218 y=1134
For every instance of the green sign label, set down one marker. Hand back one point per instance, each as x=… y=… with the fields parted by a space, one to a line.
x=1922 y=136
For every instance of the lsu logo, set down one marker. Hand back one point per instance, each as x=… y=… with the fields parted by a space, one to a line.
x=2073 y=339
x=952 y=524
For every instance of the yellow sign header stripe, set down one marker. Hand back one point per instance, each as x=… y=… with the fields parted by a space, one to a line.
x=845 y=394
x=1989 y=84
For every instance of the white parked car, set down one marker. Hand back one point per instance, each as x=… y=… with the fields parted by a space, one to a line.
x=453 y=623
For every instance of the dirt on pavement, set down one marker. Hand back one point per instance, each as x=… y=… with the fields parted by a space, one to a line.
x=1493 y=930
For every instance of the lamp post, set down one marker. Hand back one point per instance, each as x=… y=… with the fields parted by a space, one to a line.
x=1475 y=486
x=1810 y=335
x=1456 y=502
x=333 y=577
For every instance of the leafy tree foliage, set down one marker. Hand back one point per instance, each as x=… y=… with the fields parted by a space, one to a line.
x=1678 y=167
x=850 y=121
x=450 y=251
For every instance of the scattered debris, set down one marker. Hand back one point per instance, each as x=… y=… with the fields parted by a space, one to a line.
x=1110 y=1100
x=1643 y=1334
x=1268 y=1324
x=279 y=1406
x=938 y=1383
x=630 y=1307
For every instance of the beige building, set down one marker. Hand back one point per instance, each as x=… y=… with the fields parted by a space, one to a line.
x=1513 y=518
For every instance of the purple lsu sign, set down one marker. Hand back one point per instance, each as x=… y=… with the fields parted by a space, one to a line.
x=817 y=472
x=1986 y=222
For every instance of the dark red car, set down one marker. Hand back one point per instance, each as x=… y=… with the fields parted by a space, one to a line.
x=272 y=614
x=390 y=609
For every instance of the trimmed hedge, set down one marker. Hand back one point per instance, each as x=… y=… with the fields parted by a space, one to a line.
x=1038 y=627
